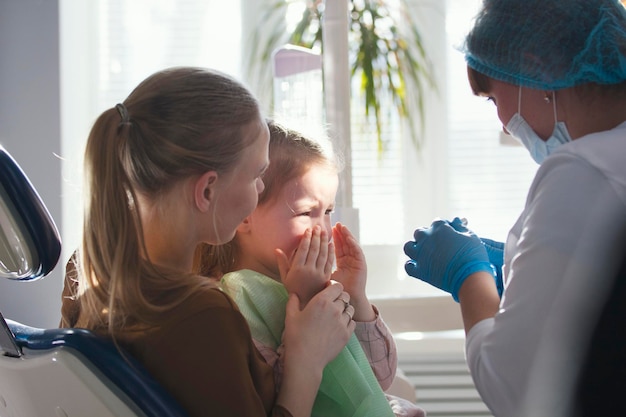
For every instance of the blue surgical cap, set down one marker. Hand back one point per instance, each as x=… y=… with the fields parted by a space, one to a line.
x=549 y=44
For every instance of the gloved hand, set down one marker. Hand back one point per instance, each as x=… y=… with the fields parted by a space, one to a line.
x=495 y=250
x=444 y=257
x=460 y=225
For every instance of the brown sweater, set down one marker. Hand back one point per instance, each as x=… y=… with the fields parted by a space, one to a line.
x=204 y=356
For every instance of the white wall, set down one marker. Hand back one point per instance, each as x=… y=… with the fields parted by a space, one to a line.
x=30 y=131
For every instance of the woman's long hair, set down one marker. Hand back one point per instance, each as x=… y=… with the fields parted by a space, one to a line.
x=177 y=123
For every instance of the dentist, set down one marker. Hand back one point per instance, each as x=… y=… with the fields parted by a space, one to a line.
x=556 y=72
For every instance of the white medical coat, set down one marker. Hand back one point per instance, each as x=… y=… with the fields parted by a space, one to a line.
x=559 y=259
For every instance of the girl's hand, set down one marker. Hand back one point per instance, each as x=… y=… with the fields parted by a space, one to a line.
x=352 y=271
x=309 y=270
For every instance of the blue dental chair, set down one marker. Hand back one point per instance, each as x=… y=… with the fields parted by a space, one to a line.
x=58 y=372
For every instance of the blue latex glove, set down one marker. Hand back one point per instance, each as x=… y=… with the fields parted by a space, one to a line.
x=444 y=257
x=460 y=225
x=495 y=250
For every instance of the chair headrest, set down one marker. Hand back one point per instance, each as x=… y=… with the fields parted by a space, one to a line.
x=30 y=245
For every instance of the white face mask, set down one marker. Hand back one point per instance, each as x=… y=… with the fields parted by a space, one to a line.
x=538 y=148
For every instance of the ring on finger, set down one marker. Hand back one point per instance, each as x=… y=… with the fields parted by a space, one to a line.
x=349 y=315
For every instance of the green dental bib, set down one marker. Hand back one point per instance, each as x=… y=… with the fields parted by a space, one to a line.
x=349 y=387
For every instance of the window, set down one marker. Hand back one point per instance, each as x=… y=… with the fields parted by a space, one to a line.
x=110 y=45
x=488 y=180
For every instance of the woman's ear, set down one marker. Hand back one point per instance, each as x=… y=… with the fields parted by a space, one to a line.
x=205 y=190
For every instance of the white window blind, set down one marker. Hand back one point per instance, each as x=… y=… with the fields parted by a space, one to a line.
x=139 y=37
x=488 y=181
x=377 y=179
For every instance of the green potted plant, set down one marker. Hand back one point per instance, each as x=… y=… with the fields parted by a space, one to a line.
x=386 y=55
